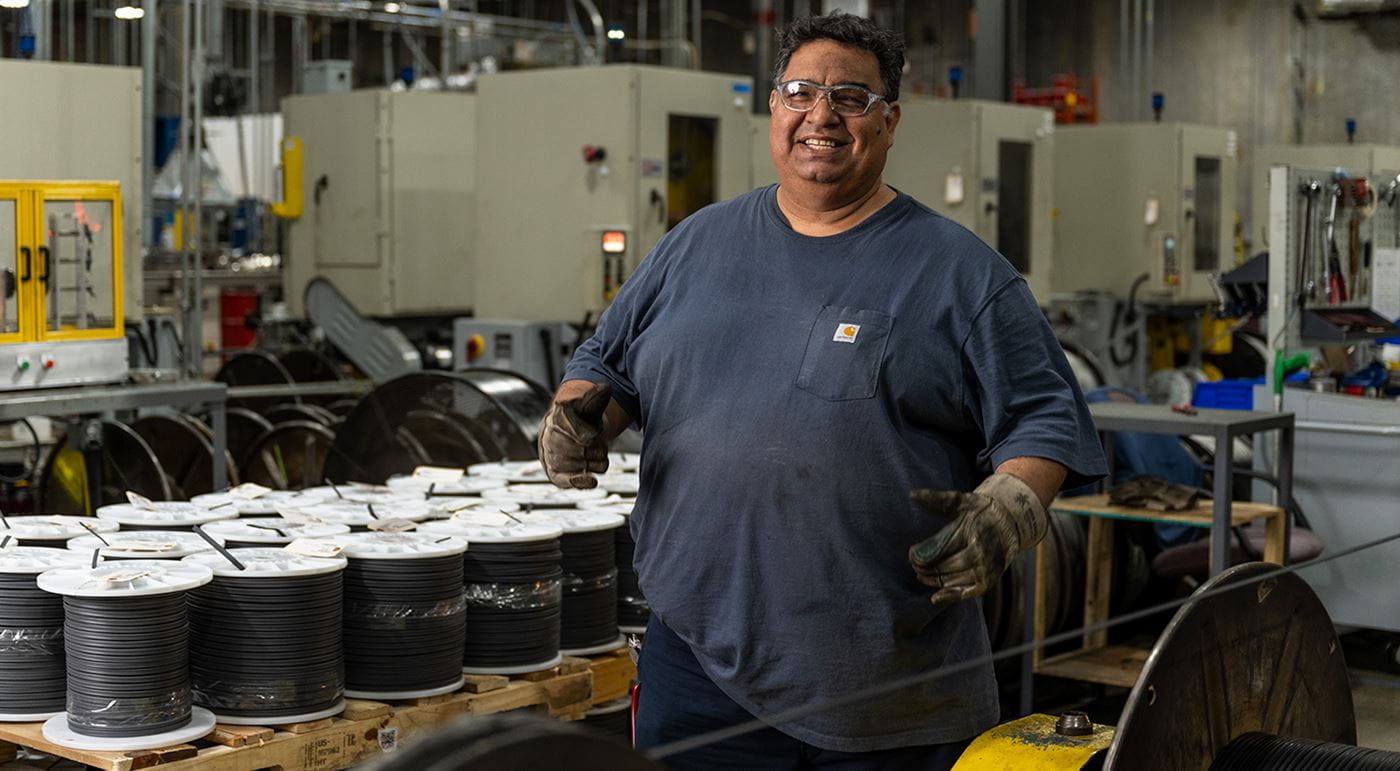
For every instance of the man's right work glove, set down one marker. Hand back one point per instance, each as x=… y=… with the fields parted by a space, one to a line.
x=573 y=438
x=991 y=526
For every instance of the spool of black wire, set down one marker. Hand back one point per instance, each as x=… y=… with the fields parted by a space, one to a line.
x=611 y=718
x=633 y=611
x=264 y=532
x=513 y=582
x=51 y=530
x=32 y=677
x=265 y=639
x=405 y=614
x=141 y=545
x=125 y=632
x=589 y=623
x=164 y=515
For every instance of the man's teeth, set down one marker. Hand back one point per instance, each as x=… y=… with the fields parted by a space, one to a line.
x=819 y=143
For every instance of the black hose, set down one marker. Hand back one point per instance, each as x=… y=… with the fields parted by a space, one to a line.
x=513 y=603
x=127 y=664
x=405 y=624
x=1256 y=751
x=633 y=610
x=32 y=678
x=590 y=590
x=267 y=646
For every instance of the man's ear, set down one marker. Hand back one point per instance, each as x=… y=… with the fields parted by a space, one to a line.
x=892 y=114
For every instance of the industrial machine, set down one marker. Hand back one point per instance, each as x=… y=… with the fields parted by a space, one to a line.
x=96 y=135
x=583 y=170
x=1135 y=200
x=537 y=350
x=1358 y=160
x=61 y=284
x=388 y=187
x=987 y=166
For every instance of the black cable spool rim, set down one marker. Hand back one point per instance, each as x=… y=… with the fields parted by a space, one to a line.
x=265 y=641
x=33 y=672
x=290 y=456
x=405 y=612
x=613 y=718
x=1252 y=751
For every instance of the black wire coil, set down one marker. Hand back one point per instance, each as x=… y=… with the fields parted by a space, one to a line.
x=590 y=590
x=128 y=664
x=405 y=624
x=267 y=647
x=32 y=678
x=633 y=610
x=513 y=603
x=1252 y=751
x=611 y=719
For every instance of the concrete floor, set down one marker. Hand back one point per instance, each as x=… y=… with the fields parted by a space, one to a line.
x=1376 y=698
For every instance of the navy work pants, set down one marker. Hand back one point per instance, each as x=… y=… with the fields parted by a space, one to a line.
x=677 y=701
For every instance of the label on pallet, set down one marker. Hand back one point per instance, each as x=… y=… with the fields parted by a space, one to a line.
x=438 y=474
x=140 y=501
x=388 y=739
x=314 y=547
x=249 y=490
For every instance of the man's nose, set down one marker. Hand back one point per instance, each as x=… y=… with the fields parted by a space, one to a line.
x=821 y=113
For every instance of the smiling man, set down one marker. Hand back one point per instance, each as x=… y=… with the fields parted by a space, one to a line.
x=854 y=415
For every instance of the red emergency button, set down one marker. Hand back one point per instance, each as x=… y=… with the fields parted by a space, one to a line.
x=475 y=345
x=47 y=361
x=594 y=154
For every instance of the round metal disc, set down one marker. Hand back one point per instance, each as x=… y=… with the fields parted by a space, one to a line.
x=1264 y=657
x=430 y=417
x=308 y=366
x=255 y=368
x=185 y=450
x=127 y=463
x=519 y=405
x=244 y=427
x=289 y=457
x=287 y=413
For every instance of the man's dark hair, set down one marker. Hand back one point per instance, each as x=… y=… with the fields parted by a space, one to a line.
x=849 y=30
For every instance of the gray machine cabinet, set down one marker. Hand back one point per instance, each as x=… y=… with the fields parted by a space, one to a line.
x=998 y=154
x=389 y=193
x=1135 y=198
x=674 y=140
x=64 y=121
x=1367 y=161
x=763 y=171
x=987 y=166
x=538 y=350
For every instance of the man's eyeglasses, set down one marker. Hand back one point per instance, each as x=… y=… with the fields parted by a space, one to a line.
x=845 y=100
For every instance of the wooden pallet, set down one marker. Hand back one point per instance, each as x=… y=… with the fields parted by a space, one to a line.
x=365 y=729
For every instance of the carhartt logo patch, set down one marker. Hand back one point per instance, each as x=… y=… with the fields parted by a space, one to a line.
x=846 y=333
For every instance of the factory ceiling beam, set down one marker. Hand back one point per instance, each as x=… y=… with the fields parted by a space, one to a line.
x=409 y=16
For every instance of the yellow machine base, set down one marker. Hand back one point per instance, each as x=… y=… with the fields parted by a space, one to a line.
x=1031 y=744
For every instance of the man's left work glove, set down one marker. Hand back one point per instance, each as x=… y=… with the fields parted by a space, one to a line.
x=990 y=526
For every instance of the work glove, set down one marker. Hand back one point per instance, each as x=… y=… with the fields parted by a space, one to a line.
x=990 y=526
x=573 y=438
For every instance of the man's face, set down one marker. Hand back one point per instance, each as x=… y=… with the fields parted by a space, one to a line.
x=802 y=142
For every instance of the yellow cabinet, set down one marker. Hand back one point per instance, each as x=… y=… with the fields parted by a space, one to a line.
x=60 y=283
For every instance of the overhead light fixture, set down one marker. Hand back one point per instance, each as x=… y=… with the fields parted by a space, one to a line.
x=616 y=33
x=14 y=3
x=392 y=7
x=129 y=12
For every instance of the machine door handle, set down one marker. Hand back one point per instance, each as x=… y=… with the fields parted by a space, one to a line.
x=24 y=256
x=44 y=275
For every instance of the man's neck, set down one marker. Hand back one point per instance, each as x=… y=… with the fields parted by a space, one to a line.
x=824 y=218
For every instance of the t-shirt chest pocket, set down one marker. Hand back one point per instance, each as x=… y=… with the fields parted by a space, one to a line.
x=845 y=353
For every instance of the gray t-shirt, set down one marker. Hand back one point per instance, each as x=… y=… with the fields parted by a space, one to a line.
x=792 y=391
